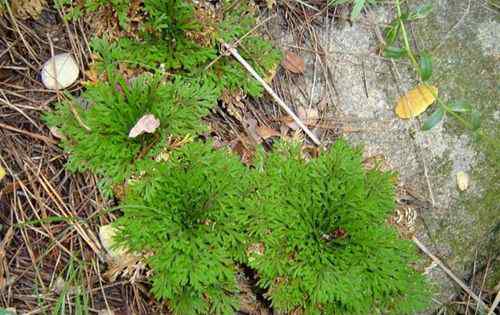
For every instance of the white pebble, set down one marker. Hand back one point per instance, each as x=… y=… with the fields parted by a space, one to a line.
x=462 y=180
x=59 y=72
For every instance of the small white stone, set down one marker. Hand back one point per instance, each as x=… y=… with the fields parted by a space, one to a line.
x=60 y=71
x=107 y=235
x=462 y=181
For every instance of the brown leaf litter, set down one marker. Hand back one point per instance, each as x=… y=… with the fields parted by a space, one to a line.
x=293 y=63
x=25 y=9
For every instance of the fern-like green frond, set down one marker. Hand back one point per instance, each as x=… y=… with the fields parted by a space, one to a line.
x=97 y=137
x=328 y=249
x=189 y=214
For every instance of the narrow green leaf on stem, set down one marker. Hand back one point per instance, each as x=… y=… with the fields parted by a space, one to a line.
x=356 y=9
x=425 y=63
x=433 y=119
x=460 y=107
x=476 y=120
x=394 y=52
x=391 y=32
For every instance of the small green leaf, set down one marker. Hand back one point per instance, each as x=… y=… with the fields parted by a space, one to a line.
x=421 y=12
x=356 y=9
x=391 y=32
x=476 y=120
x=394 y=52
x=338 y=2
x=433 y=119
x=460 y=107
x=404 y=17
x=425 y=64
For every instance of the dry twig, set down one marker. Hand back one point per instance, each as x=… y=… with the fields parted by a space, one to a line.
x=426 y=251
x=230 y=49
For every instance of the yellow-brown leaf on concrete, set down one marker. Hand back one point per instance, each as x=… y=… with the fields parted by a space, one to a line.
x=416 y=101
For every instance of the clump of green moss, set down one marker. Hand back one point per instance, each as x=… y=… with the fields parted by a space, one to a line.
x=314 y=231
x=97 y=138
x=190 y=213
x=326 y=247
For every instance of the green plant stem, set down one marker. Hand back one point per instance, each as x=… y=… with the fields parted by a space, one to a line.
x=405 y=38
x=448 y=110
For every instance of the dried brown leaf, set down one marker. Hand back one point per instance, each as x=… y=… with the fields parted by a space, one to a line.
x=120 y=260
x=266 y=132
x=24 y=9
x=147 y=123
x=243 y=147
x=250 y=125
x=232 y=102
x=293 y=63
x=309 y=116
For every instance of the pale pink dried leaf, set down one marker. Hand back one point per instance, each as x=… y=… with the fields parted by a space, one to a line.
x=293 y=63
x=147 y=123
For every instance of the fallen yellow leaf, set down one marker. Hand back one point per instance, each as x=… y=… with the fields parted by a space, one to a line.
x=2 y=172
x=416 y=101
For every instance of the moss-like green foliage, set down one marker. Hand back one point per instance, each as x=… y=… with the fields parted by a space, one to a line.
x=189 y=213
x=180 y=37
x=327 y=248
x=97 y=137
x=314 y=231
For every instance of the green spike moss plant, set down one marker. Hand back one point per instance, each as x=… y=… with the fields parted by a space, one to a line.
x=326 y=245
x=314 y=231
x=190 y=213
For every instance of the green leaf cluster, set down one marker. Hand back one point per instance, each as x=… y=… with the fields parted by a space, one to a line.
x=182 y=90
x=327 y=246
x=320 y=224
x=79 y=7
x=96 y=124
x=175 y=38
x=314 y=231
x=190 y=213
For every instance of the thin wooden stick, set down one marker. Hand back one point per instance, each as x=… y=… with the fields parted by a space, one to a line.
x=266 y=86
x=27 y=133
x=495 y=304
x=449 y=273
